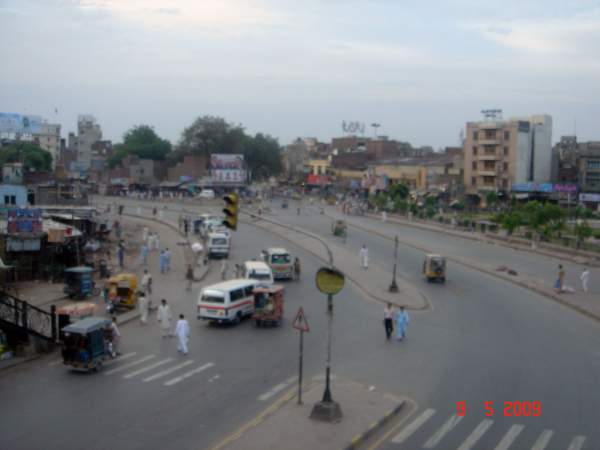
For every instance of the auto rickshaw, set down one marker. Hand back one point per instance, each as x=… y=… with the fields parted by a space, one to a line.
x=85 y=343
x=268 y=305
x=339 y=227
x=79 y=283
x=434 y=268
x=122 y=291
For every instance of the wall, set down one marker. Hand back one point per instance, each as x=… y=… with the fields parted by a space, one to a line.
x=19 y=192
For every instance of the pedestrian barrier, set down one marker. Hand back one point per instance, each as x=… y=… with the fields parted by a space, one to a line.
x=25 y=317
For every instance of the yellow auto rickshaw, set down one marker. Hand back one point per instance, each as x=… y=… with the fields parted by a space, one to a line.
x=338 y=227
x=122 y=291
x=434 y=268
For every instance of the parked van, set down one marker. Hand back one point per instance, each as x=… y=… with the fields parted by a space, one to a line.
x=259 y=271
x=280 y=262
x=228 y=301
x=218 y=245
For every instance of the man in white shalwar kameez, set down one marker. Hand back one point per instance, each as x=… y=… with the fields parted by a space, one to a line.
x=165 y=318
x=364 y=257
x=182 y=331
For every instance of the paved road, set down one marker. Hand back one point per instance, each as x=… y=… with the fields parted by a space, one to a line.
x=485 y=340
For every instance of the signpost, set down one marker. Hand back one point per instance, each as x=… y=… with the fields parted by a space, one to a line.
x=329 y=281
x=300 y=324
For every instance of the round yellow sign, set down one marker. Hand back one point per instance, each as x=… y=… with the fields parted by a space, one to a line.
x=329 y=281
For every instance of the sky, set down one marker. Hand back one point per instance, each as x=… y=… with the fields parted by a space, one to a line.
x=288 y=68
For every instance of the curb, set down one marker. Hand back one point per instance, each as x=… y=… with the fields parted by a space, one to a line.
x=374 y=427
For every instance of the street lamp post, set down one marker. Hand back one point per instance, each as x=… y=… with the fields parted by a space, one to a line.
x=394 y=287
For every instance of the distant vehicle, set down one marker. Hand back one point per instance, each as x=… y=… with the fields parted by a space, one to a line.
x=434 y=268
x=259 y=271
x=228 y=301
x=207 y=193
x=218 y=245
x=280 y=262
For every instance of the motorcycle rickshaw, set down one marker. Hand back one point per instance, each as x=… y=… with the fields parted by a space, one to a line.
x=339 y=227
x=79 y=284
x=122 y=291
x=434 y=268
x=268 y=305
x=85 y=343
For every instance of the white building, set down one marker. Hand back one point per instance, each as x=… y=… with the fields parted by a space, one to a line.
x=88 y=133
x=48 y=138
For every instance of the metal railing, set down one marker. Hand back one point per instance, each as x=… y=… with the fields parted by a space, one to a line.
x=29 y=318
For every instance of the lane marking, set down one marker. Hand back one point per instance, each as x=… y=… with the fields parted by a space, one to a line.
x=168 y=371
x=413 y=426
x=276 y=389
x=131 y=364
x=542 y=440
x=444 y=429
x=476 y=434
x=577 y=443
x=509 y=437
x=55 y=362
x=112 y=361
x=147 y=368
x=176 y=380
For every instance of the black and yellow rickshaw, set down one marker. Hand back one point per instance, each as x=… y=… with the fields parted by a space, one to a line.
x=434 y=267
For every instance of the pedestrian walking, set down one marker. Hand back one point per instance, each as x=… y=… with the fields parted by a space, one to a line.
x=388 y=320
x=189 y=276
x=162 y=262
x=180 y=222
x=144 y=254
x=164 y=317
x=143 y=305
x=224 y=269
x=182 y=330
x=121 y=255
x=168 y=259
x=297 y=268
x=560 y=281
x=145 y=235
x=402 y=321
x=364 y=257
x=146 y=283
x=154 y=212
x=115 y=336
x=585 y=276
x=186 y=226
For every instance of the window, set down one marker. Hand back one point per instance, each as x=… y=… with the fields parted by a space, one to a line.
x=10 y=199
x=248 y=290
x=280 y=259
x=505 y=151
x=490 y=134
x=474 y=165
x=473 y=181
x=505 y=167
x=212 y=299
x=475 y=135
x=506 y=135
x=489 y=165
x=475 y=150
x=593 y=163
x=488 y=180
x=236 y=294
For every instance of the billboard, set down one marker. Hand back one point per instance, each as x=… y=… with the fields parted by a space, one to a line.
x=24 y=220
x=545 y=187
x=227 y=168
x=11 y=124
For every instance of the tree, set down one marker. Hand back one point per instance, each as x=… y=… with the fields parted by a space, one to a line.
x=380 y=200
x=143 y=142
x=399 y=191
x=510 y=221
x=400 y=205
x=582 y=231
x=31 y=155
x=491 y=199
x=262 y=154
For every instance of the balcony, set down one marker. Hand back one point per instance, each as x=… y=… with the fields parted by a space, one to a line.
x=488 y=157
x=487 y=172
x=488 y=141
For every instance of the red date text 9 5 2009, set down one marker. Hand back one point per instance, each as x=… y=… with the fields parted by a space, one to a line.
x=510 y=409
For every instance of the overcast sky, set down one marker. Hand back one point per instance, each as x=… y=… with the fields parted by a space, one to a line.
x=294 y=68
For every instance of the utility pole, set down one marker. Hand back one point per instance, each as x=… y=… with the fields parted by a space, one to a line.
x=394 y=287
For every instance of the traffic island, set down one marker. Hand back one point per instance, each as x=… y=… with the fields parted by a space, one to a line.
x=287 y=425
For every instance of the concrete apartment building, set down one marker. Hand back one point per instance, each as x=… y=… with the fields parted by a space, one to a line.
x=589 y=167
x=500 y=153
x=88 y=133
x=48 y=138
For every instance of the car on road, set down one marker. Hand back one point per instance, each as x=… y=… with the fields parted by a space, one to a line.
x=259 y=271
x=228 y=301
x=207 y=193
x=280 y=262
x=218 y=245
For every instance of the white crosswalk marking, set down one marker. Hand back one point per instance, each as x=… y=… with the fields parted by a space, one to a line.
x=577 y=443
x=168 y=371
x=176 y=380
x=276 y=389
x=413 y=426
x=147 y=368
x=127 y=366
x=509 y=437
x=542 y=440
x=445 y=429
x=120 y=358
x=476 y=434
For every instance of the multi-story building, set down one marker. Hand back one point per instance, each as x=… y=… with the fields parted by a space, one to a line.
x=499 y=153
x=565 y=161
x=88 y=134
x=48 y=138
x=589 y=167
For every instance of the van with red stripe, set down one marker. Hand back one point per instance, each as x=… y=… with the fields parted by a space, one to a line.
x=228 y=301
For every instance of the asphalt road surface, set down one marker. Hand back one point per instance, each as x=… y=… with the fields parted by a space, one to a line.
x=485 y=340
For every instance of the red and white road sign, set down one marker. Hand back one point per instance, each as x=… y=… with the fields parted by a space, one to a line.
x=300 y=322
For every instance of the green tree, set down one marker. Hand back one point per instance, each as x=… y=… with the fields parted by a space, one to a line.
x=380 y=200
x=400 y=205
x=143 y=142
x=399 y=190
x=491 y=199
x=509 y=220
x=582 y=231
x=31 y=155
x=262 y=154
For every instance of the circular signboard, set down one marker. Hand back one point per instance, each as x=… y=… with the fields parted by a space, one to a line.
x=329 y=281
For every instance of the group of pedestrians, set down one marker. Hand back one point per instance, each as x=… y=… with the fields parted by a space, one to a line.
x=398 y=318
x=559 y=284
x=164 y=317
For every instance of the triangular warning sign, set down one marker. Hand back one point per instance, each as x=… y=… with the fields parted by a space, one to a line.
x=300 y=322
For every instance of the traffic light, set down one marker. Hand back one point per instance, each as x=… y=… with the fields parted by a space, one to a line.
x=231 y=211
